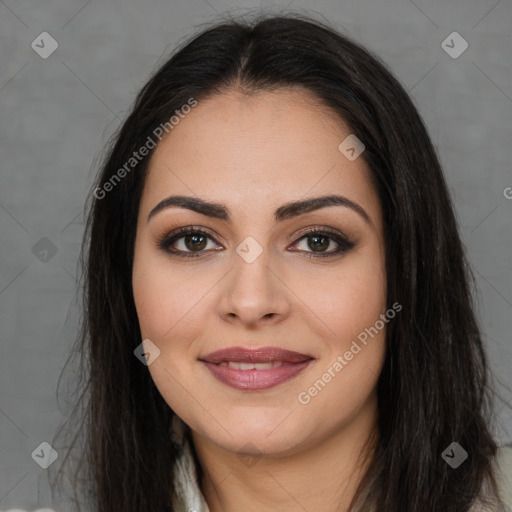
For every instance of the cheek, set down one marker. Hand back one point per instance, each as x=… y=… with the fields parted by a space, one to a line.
x=347 y=301
x=167 y=305
x=167 y=300
x=351 y=305
x=348 y=306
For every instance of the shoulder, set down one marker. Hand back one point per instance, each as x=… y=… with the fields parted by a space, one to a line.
x=504 y=474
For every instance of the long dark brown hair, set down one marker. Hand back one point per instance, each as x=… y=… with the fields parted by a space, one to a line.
x=434 y=388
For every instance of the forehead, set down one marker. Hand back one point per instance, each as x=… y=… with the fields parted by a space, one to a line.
x=257 y=152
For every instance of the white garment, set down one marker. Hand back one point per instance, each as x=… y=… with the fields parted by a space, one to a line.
x=189 y=495
x=191 y=499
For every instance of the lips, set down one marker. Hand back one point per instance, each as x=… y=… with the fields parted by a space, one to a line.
x=255 y=369
x=255 y=355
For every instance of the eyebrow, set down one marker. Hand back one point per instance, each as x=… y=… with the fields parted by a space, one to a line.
x=284 y=212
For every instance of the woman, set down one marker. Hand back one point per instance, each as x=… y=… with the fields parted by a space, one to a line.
x=279 y=310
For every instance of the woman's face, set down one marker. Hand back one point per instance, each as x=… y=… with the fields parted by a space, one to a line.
x=254 y=280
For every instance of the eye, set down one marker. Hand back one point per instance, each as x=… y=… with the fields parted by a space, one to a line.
x=191 y=242
x=320 y=240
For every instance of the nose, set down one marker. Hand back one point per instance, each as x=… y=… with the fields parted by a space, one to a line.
x=253 y=292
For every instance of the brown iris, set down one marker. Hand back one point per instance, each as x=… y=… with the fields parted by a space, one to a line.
x=317 y=245
x=197 y=242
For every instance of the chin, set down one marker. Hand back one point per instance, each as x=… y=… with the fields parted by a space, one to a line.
x=256 y=434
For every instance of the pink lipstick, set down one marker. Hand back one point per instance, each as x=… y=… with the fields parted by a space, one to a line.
x=256 y=368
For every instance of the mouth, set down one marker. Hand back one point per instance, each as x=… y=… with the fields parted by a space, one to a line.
x=252 y=366
x=257 y=368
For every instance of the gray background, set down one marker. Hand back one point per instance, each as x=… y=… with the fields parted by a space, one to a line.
x=57 y=114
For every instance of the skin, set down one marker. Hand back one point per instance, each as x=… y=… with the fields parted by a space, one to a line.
x=254 y=154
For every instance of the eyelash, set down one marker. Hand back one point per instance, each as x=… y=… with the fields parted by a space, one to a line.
x=168 y=239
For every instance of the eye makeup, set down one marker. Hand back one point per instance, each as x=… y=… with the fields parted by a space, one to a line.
x=321 y=237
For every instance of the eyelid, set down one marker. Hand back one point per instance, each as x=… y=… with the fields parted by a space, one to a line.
x=318 y=227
